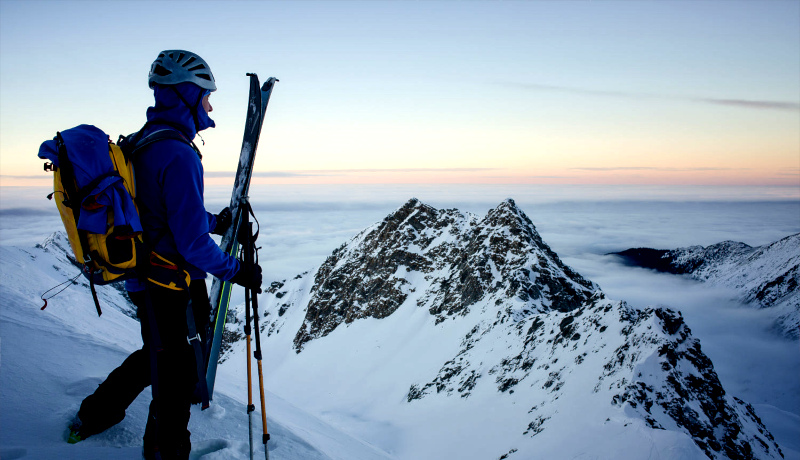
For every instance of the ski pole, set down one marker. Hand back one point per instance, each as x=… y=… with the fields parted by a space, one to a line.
x=244 y=242
x=250 y=406
x=254 y=302
x=265 y=435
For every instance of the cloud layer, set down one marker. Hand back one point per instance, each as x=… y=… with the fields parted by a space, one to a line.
x=732 y=102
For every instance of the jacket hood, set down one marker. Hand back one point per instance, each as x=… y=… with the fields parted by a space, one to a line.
x=169 y=109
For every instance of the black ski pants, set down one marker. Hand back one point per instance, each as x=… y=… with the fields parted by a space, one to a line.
x=166 y=431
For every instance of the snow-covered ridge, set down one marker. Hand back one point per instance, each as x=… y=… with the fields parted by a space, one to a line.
x=433 y=315
x=53 y=358
x=503 y=377
x=766 y=276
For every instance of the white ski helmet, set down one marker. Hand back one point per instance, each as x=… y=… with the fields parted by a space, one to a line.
x=177 y=66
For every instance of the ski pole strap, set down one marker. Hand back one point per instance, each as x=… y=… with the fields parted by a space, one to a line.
x=248 y=211
x=194 y=340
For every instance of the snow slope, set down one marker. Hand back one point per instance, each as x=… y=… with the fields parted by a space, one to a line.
x=52 y=359
x=437 y=334
x=414 y=367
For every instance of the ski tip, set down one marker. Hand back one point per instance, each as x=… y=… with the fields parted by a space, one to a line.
x=269 y=83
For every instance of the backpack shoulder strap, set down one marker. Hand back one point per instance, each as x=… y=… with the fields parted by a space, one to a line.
x=135 y=142
x=160 y=135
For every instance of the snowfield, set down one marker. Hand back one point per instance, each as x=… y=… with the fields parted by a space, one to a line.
x=52 y=359
x=509 y=382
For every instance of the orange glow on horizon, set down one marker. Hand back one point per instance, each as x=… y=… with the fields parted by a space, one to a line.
x=599 y=176
x=503 y=176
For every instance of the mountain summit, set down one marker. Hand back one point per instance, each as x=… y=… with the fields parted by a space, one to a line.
x=449 y=327
x=447 y=262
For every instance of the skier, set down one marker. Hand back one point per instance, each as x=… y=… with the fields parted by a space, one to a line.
x=169 y=184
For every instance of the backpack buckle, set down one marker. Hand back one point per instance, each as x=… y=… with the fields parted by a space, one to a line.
x=190 y=339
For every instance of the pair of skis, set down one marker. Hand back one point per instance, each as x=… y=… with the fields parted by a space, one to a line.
x=220 y=294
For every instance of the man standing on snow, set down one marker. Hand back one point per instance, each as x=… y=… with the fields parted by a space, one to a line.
x=169 y=184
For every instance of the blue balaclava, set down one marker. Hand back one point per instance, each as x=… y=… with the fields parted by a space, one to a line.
x=181 y=105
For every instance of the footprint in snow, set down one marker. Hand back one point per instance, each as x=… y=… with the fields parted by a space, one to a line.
x=202 y=448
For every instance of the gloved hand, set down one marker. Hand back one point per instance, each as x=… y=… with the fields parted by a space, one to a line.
x=248 y=276
x=223 y=221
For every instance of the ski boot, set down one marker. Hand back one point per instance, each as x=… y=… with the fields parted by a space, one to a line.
x=76 y=432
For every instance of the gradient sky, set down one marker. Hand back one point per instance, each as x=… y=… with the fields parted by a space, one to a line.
x=586 y=92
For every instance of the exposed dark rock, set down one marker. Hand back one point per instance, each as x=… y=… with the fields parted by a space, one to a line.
x=458 y=260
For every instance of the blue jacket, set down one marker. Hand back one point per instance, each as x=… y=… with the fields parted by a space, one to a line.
x=169 y=188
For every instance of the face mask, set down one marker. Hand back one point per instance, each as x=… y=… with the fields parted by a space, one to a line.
x=203 y=120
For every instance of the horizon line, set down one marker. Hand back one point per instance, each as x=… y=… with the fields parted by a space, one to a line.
x=568 y=181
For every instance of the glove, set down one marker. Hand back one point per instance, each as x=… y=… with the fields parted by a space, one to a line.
x=223 y=221
x=248 y=276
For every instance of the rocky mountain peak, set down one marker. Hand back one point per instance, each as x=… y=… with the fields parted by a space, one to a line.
x=447 y=261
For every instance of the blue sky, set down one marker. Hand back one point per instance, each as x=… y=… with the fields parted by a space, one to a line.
x=668 y=92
